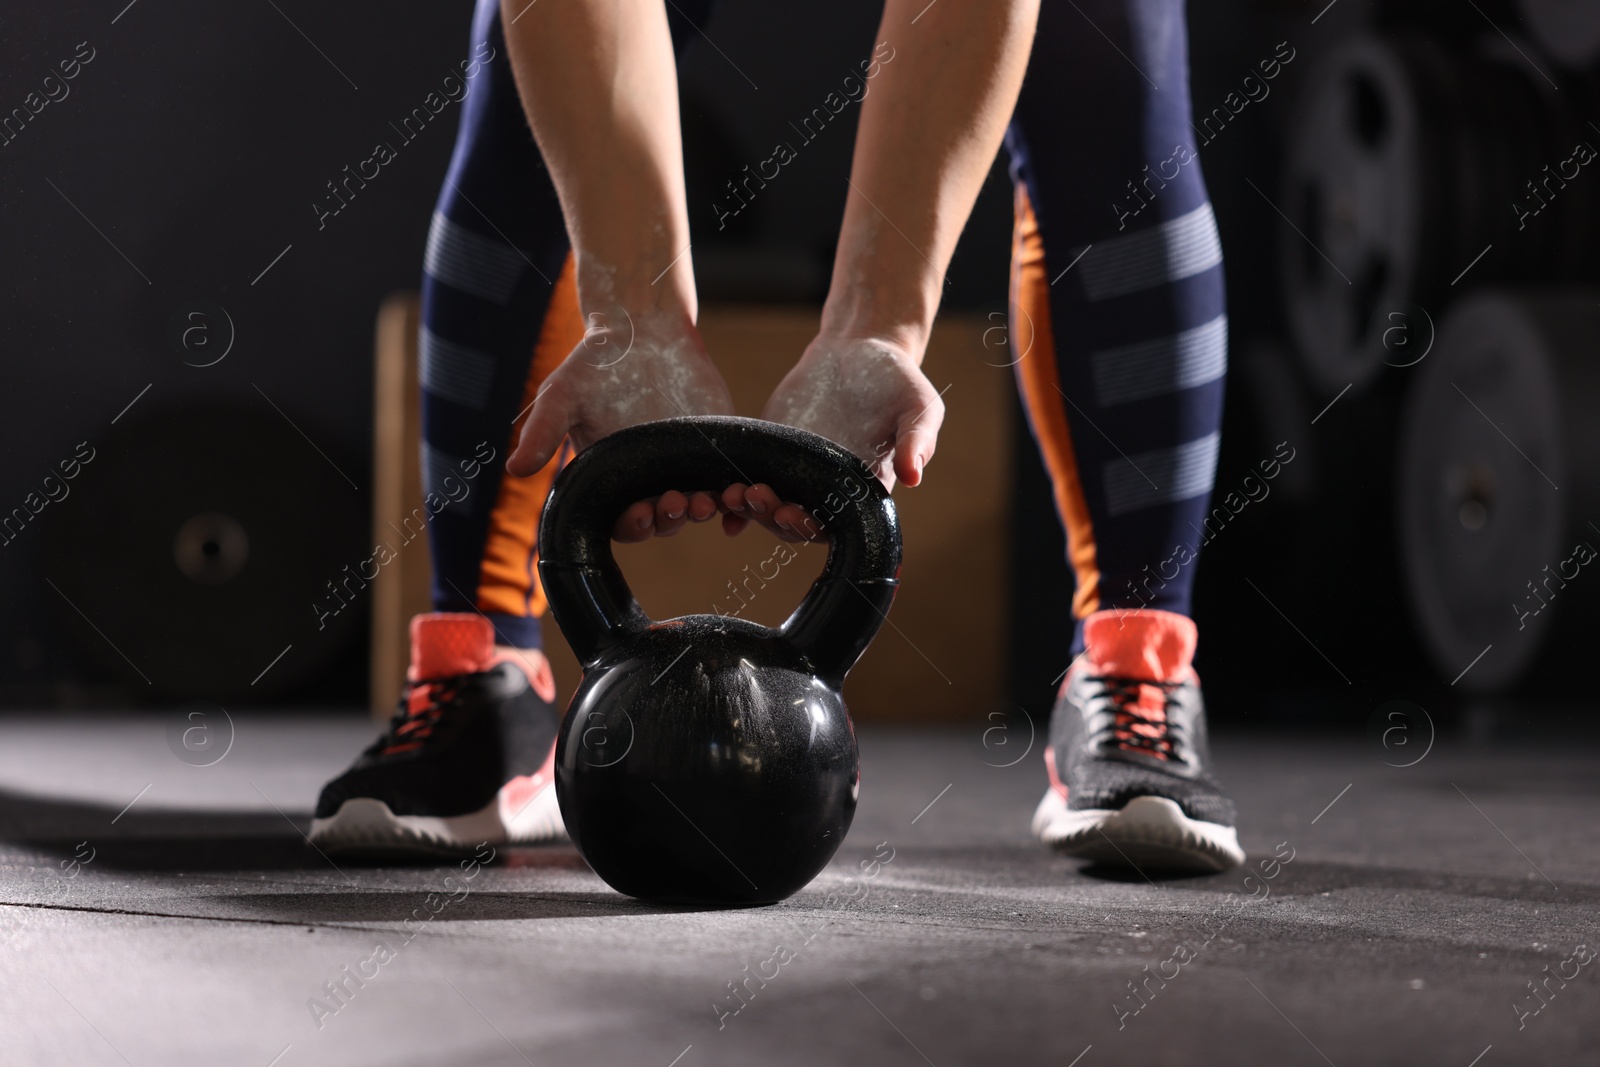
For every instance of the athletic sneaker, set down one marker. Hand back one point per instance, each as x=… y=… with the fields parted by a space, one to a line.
x=1129 y=783
x=468 y=758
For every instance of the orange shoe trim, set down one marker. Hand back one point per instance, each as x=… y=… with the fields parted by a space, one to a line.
x=446 y=643
x=540 y=675
x=1050 y=766
x=520 y=791
x=1143 y=643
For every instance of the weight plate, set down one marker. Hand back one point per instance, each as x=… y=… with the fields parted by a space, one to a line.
x=1494 y=424
x=1352 y=184
x=196 y=543
x=1404 y=173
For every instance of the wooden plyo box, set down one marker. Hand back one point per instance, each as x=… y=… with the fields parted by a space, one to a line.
x=940 y=656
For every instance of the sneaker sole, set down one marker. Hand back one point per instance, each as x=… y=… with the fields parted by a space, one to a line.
x=534 y=821
x=1148 y=833
x=366 y=826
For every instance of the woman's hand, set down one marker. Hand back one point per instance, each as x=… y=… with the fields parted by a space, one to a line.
x=867 y=394
x=635 y=368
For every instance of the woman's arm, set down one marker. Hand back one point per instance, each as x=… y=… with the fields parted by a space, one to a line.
x=931 y=124
x=600 y=89
x=930 y=128
x=599 y=86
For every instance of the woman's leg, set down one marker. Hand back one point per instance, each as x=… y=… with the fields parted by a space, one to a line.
x=499 y=313
x=469 y=757
x=1119 y=318
x=1119 y=331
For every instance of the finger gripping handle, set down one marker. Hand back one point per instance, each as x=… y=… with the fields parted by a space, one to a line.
x=839 y=616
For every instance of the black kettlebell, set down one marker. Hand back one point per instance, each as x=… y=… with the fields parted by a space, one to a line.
x=708 y=759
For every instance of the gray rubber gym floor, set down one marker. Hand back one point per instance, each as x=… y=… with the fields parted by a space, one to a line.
x=1388 y=915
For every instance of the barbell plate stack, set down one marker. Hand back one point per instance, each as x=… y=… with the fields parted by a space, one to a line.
x=1406 y=165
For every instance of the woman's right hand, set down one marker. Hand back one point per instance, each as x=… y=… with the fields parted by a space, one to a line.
x=630 y=368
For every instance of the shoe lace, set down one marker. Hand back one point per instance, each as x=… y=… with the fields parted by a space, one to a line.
x=413 y=722
x=1135 y=728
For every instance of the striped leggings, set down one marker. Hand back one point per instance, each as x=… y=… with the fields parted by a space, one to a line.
x=1118 y=317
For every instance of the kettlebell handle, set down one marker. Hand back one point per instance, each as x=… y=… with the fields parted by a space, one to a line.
x=843 y=610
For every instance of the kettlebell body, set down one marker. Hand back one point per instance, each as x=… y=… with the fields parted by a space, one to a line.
x=709 y=759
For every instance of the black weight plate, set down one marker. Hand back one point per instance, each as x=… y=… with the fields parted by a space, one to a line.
x=1491 y=430
x=1354 y=183
x=196 y=543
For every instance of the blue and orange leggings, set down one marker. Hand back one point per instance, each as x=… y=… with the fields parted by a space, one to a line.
x=1119 y=323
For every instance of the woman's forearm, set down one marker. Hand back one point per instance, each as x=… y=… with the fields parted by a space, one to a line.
x=600 y=89
x=929 y=132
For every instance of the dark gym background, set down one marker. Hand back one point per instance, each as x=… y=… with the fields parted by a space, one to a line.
x=180 y=170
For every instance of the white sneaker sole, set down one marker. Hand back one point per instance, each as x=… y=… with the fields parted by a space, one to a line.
x=531 y=822
x=365 y=825
x=1148 y=833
